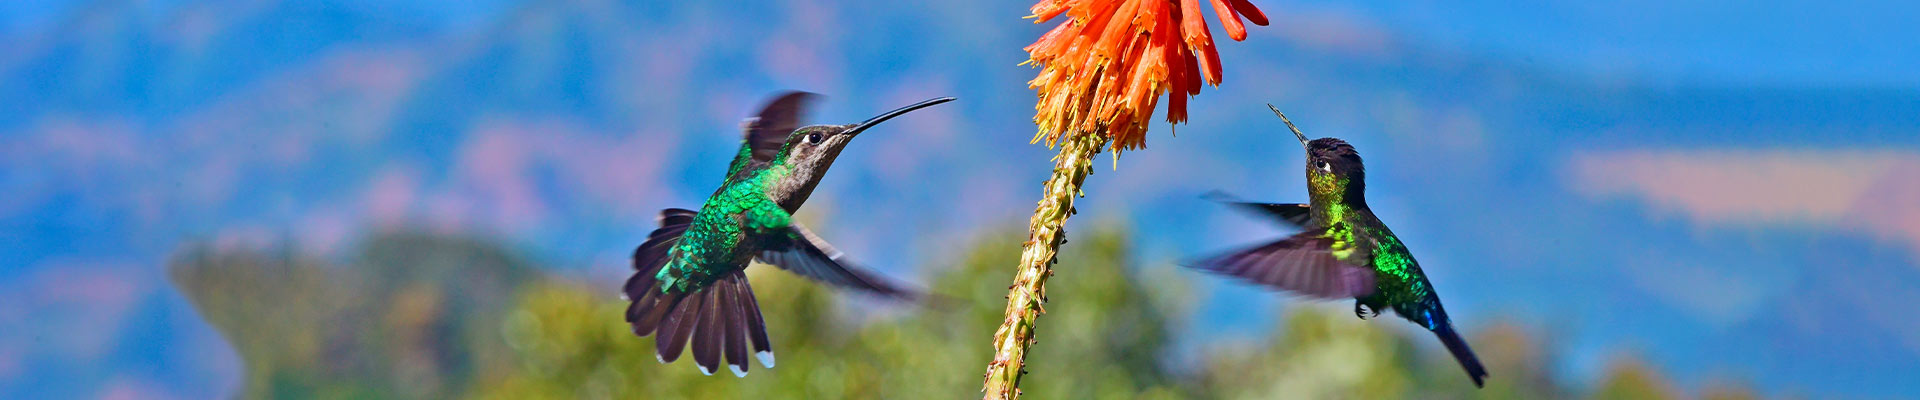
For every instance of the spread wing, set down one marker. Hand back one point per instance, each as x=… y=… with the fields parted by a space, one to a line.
x=767 y=131
x=645 y=313
x=803 y=253
x=1303 y=263
x=1295 y=214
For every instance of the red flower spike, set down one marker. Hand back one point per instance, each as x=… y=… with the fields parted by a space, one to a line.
x=1230 y=20
x=1045 y=10
x=1252 y=13
x=1104 y=68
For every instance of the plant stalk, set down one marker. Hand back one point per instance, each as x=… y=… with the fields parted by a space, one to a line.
x=1028 y=294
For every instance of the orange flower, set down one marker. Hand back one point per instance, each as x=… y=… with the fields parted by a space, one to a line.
x=1105 y=68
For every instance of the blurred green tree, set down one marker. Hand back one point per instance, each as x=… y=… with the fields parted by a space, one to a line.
x=1109 y=331
x=411 y=316
x=426 y=316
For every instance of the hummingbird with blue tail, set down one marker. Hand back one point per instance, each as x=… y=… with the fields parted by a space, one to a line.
x=690 y=287
x=1342 y=250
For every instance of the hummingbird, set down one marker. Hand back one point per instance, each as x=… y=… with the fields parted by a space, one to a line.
x=689 y=283
x=1342 y=251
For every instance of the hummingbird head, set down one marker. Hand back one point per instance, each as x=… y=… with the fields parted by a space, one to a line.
x=810 y=150
x=1334 y=170
x=815 y=146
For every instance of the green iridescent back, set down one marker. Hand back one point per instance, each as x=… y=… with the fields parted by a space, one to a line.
x=716 y=243
x=1396 y=274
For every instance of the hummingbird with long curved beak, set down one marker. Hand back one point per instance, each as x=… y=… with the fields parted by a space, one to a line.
x=1342 y=251
x=689 y=284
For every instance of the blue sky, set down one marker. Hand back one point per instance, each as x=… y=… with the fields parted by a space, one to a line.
x=1723 y=188
x=1785 y=43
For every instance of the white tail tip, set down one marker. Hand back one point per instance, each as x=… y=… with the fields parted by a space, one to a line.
x=737 y=370
x=766 y=358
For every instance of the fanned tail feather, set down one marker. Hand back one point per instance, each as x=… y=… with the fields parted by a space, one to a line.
x=720 y=321
x=677 y=329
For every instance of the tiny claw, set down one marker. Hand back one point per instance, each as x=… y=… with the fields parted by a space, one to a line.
x=1364 y=312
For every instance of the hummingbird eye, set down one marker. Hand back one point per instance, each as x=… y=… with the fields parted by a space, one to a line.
x=1323 y=166
x=814 y=138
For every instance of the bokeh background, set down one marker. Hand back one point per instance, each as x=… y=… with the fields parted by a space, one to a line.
x=428 y=199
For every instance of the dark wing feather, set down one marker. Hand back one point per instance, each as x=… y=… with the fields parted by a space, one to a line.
x=1303 y=264
x=767 y=131
x=1300 y=216
x=653 y=253
x=649 y=305
x=799 y=251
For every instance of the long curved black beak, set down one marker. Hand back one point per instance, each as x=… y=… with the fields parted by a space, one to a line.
x=876 y=120
x=1296 y=130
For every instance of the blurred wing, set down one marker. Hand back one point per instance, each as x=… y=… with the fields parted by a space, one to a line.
x=803 y=253
x=1295 y=214
x=767 y=131
x=1303 y=264
x=647 y=309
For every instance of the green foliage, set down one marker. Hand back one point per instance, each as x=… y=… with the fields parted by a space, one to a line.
x=420 y=316
x=412 y=316
x=572 y=344
x=1323 y=352
x=1634 y=380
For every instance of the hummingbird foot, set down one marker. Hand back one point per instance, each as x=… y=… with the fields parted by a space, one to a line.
x=1363 y=311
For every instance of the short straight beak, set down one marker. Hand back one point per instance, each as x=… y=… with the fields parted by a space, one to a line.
x=1296 y=131
x=876 y=120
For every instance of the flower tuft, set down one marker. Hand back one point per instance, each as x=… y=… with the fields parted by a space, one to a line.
x=1104 y=69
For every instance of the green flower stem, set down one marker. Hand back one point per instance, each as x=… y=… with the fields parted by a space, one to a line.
x=1028 y=294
